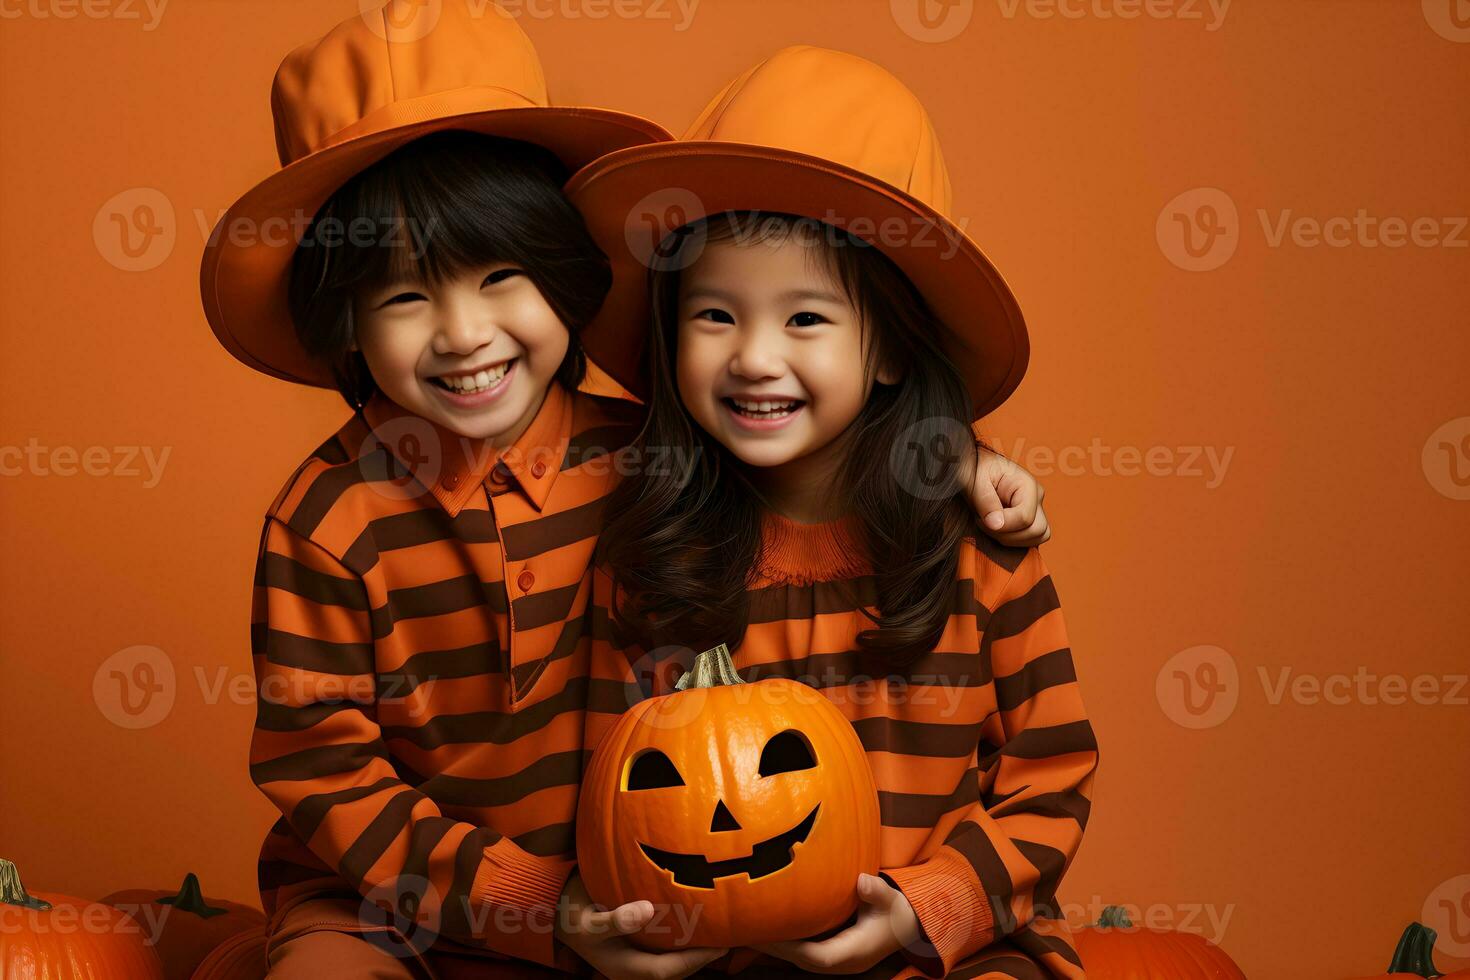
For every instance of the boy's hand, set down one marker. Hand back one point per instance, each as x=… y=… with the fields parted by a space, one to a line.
x=885 y=924
x=600 y=938
x=1008 y=500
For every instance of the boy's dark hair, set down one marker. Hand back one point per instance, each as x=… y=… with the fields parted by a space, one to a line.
x=431 y=209
x=682 y=542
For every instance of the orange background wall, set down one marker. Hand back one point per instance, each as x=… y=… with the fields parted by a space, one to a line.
x=1302 y=834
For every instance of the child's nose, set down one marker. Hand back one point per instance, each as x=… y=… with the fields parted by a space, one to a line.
x=757 y=356
x=463 y=331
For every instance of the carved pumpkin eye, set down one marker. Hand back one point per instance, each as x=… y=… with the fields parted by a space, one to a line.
x=653 y=770
x=786 y=752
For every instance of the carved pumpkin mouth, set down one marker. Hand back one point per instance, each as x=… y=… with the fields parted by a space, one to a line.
x=695 y=871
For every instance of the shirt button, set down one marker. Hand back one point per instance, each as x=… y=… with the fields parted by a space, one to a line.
x=525 y=580
x=538 y=469
x=450 y=481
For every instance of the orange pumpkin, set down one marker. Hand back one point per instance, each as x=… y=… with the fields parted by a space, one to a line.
x=1414 y=956
x=744 y=811
x=240 y=957
x=47 y=936
x=184 y=926
x=1113 y=948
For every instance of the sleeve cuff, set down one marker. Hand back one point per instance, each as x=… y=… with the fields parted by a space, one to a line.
x=520 y=892
x=955 y=916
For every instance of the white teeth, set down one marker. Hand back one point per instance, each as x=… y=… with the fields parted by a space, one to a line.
x=762 y=406
x=765 y=409
x=469 y=384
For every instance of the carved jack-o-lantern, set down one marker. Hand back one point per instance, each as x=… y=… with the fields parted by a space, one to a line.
x=743 y=811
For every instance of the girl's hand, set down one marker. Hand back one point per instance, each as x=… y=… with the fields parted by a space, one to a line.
x=885 y=924
x=1008 y=500
x=600 y=938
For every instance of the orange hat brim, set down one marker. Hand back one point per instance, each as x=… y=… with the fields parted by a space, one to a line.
x=626 y=195
x=246 y=265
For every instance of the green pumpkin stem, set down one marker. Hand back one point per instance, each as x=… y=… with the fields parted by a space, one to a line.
x=1114 y=917
x=1415 y=952
x=191 y=899
x=712 y=668
x=12 y=892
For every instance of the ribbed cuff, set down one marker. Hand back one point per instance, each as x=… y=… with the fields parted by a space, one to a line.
x=518 y=893
x=953 y=912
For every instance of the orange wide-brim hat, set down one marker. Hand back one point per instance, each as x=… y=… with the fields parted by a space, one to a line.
x=374 y=83
x=818 y=134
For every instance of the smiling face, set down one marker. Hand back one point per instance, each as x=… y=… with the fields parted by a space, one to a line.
x=652 y=769
x=749 y=810
x=474 y=353
x=771 y=359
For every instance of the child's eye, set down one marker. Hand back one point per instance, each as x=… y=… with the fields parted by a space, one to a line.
x=403 y=298
x=716 y=314
x=807 y=319
x=499 y=275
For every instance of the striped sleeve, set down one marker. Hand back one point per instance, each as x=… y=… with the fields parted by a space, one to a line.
x=318 y=754
x=999 y=867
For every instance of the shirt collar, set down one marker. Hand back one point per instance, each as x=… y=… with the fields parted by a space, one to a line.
x=452 y=466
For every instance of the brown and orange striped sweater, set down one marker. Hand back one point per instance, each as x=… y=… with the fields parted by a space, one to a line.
x=421 y=642
x=982 y=753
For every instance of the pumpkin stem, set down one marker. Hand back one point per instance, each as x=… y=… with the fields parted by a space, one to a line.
x=191 y=899
x=1415 y=952
x=712 y=668
x=12 y=892
x=1114 y=917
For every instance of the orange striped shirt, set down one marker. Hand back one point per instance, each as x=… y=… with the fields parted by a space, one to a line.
x=420 y=641
x=981 y=751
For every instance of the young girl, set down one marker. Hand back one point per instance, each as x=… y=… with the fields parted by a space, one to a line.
x=822 y=381
x=420 y=629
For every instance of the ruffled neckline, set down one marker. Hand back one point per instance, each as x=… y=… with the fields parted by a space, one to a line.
x=800 y=554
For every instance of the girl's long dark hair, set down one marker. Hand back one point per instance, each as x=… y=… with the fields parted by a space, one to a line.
x=683 y=540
